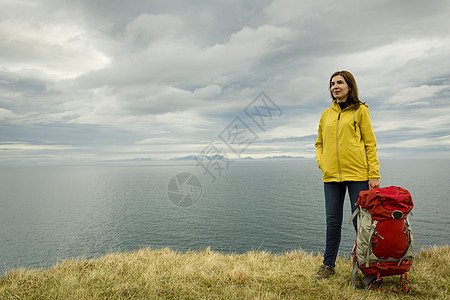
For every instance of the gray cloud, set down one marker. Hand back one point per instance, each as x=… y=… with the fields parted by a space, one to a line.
x=98 y=80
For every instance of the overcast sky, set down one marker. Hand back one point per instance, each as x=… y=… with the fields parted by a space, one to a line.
x=85 y=81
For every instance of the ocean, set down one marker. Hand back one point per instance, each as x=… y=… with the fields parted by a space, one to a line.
x=50 y=213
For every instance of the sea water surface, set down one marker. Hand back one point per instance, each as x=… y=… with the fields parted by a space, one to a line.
x=49 y=213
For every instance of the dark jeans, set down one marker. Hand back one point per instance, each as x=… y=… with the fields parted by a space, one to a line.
x=334 y=206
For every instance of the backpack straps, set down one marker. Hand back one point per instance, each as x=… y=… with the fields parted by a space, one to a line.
x=407 y=229
x=353 y=215
x=403 y=279
x=373 y=227
x=354 y=271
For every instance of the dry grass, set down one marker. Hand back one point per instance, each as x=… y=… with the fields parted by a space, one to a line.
x=162 y=274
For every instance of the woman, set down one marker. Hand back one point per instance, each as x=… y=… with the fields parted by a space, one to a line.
x=347 y=155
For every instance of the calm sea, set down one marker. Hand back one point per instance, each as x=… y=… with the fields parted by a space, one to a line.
x=49 y=213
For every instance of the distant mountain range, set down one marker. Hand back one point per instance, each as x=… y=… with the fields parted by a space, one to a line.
x=201 y=157
x=217 y=157
x=282 y=157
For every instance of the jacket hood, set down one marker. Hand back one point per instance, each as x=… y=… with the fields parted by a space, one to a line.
x=335 y=105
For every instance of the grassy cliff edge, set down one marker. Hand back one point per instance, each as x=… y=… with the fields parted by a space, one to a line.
x=206 y=274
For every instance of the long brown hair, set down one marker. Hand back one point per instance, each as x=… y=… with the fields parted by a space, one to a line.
x=351 y=82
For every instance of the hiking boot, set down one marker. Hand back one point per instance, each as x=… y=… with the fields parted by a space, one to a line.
x=367 y=281
x=324 y=272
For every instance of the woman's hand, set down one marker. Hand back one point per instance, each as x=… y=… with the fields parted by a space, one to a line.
x=374 y=184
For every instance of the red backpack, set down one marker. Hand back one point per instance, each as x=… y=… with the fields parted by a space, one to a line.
x=384 y=241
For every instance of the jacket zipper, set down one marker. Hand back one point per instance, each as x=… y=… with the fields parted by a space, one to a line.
x=337 y=147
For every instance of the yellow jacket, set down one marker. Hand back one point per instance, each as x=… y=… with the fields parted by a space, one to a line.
x=346 y=147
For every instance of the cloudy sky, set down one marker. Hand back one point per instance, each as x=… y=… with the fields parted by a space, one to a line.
x=86 y=81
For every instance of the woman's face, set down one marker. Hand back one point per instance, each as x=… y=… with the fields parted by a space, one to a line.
x=339 y=88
